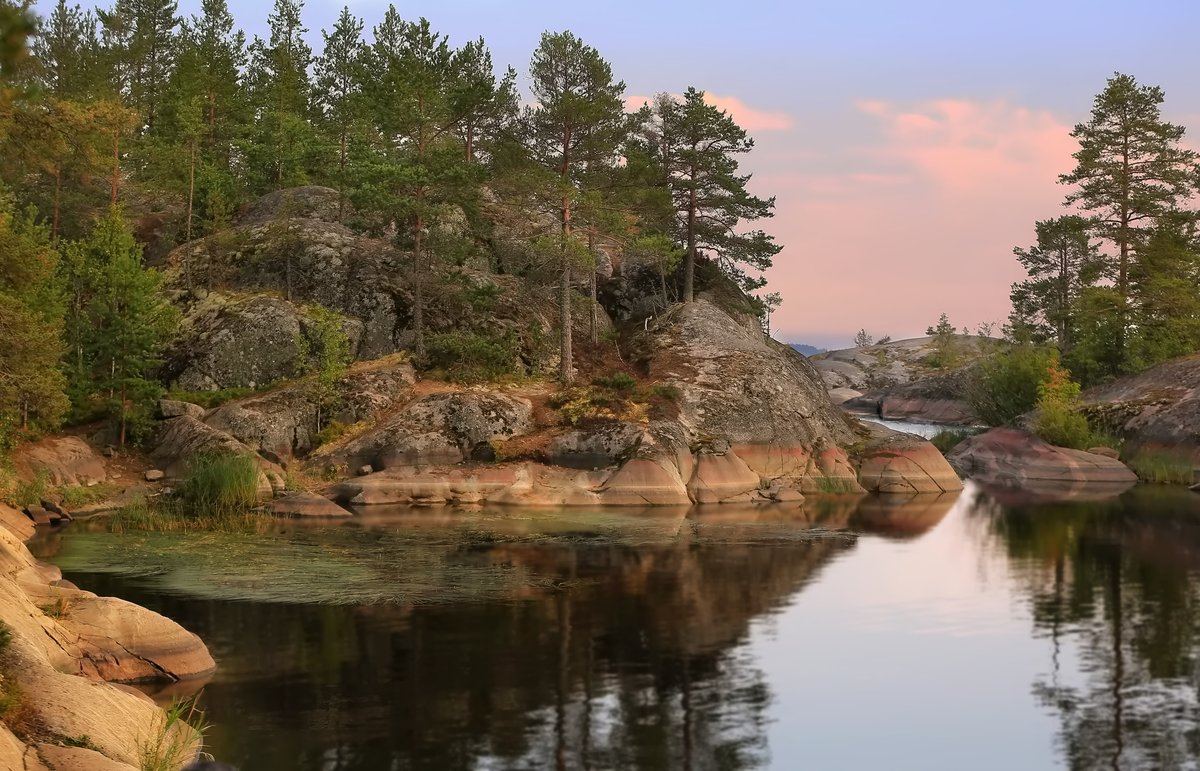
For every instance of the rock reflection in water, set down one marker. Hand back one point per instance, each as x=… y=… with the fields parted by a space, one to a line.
x=1115 y=588
x=621 y=650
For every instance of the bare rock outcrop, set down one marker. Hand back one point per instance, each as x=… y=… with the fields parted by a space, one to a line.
x=1157 y=410
x=65 y=646
x=440 y=428
x=1014 y=459
x=64 y=460
x=896 y=463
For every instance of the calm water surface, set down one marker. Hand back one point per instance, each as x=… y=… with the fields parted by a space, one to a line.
x=952 y=633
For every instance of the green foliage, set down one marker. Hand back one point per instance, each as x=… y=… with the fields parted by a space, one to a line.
x=945 y=346
x=1161 y=466
x=1058 y=419
x=210 y=399
x=30 y=492
x=862 y=339
x=468 y=357
x=5 y=637
x=335 y=430
x=119 y=324
x=1006 y=384
x=32 y=387
x=621 y=382
x=75 y=496
x=220 y=483
x=176 y=737
x=325 y=353
x=835 y=485
x=947 y=439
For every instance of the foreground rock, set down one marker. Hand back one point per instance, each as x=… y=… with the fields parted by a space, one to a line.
x=64 y=644
x=896 y=463
x=1016 y=460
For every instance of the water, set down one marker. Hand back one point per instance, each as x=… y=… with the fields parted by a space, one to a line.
x=950 y=633
x=926 y=430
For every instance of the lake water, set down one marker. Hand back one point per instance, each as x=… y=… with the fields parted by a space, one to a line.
x=953 y=633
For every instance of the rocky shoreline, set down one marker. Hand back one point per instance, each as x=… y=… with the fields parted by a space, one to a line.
x=66 y=660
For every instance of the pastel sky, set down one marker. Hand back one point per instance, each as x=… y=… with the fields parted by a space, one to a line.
x=910 y=145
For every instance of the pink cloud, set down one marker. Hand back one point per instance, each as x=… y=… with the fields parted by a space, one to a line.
x=917 y=218
x=751 y=119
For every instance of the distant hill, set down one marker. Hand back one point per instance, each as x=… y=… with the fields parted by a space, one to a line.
x=807 y=350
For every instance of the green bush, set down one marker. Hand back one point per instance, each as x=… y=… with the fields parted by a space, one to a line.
x=1006 y=385
x=664 y=391
x=220 y=483
x=30 y=492
x=1162 y=467
x=950 y=438
x=1058 y=419
x=621 y=382
x=210 y=399
x=468 y=357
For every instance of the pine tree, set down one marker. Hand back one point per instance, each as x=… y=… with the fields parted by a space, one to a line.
x=486 y=107
x=1064 y=262
x=699 y=145
x=340 y=74
x=418 y=169
x=68 y=51
x=1131 y=169
x=32 y=387
x=579 y=106
x=280 y=150
x=140 y=37
x=125 y=325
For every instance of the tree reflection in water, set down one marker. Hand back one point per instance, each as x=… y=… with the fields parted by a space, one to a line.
x=1113 y=585
x=611 y=652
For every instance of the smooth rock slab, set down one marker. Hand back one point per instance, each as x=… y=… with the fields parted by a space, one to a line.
x=305 y=505
x=1009 y=458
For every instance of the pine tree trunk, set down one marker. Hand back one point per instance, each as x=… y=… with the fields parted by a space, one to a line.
x=566 y=368
x=116 y=168
x=418 y=290
x=342 y=178
x=593 y=321
x=57 y=202
x=187 y=257
x=689 y=265
x=470 y=143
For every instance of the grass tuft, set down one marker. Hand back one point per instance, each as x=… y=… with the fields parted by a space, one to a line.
x=220 y=484
x=1162 y=467
x=177 y=738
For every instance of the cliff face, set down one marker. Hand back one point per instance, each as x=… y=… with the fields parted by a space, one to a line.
x=61 y=648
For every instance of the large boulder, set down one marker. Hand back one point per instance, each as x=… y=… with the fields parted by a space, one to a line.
x=594 y=446
x=1156 y=411
x=184 y=438
x=312 y=202
x=440 y=428
x=897 y=463
x=64 y=460
x=743 y=393
x=306 y=506
x=246 y=342
x=1014 y=459
x=283 y=423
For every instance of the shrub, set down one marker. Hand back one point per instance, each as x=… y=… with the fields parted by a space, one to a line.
x=664 y=391
x=950 y=438
x=210 y=399
x=176 y=739
x=1058 y=419
x=220 y=483
x=74 y=496
x=29 y=492
x=622 y=382
x=469 y=357
x=1162 y=467
x=1006 y=385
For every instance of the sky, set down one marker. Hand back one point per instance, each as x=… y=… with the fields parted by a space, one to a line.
x=909 y=145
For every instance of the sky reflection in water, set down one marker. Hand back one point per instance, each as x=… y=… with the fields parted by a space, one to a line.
x=944 y=634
